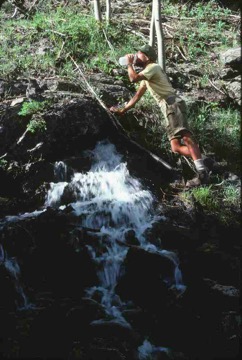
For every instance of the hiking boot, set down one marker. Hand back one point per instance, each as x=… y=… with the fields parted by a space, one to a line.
x=202 y=178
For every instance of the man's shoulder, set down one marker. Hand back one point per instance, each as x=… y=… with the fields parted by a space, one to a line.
x=151 y=69
x=153 y=66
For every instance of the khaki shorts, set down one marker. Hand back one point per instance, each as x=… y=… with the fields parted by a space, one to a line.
x=175 y=112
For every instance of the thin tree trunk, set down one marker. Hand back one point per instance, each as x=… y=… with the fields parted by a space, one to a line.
x=159 y=34
x=152 y=27
x=97 y=11
x=108 y=10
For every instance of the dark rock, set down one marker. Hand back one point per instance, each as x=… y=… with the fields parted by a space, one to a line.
x=144 y=279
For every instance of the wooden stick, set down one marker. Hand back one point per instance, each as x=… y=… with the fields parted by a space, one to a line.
x=215 y=87
x=183 y=56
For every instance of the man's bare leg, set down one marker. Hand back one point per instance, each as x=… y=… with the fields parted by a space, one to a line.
x=191 y=149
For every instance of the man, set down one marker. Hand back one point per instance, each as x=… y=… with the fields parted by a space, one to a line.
x=153 y=78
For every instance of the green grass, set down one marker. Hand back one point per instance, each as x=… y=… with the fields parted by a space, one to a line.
x=231 y=196
x=217 y=130
x=61 y=33
x=199 y=25
x=220 y=201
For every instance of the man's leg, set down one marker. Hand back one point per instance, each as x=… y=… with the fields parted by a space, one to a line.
x=177 y=147
x=191 y=149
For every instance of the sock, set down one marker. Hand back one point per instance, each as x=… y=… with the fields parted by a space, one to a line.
x=199 y=165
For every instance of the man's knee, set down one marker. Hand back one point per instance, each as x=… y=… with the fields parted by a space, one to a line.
x=175 y=147
x=175 y=150
x=188 y=140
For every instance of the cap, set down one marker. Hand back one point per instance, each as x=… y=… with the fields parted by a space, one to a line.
x=148 y=51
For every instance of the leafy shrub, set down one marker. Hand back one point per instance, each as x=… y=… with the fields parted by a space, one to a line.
x=32 y=107
x=36 y=125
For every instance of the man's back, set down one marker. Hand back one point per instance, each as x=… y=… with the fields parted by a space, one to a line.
x=157 y=82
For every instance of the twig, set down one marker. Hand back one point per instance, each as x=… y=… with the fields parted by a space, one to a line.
x=22 y=137
x=170 y=36
x=56 y=32
x=136 y=33
x=15 y=12
x=62 y=46
x=183 y=56
x=3 y=156
x=166 y=25
x=29 y=10
x=88 y=85
x=90 y=88
x=215 y=87
x=23 y=11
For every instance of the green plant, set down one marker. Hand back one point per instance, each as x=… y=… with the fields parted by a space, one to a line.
x=3 y=163
x=231 y=196
x=217 y=130
x=216 y=201
x=203 y=195
x=32 y=107
x=36 y=125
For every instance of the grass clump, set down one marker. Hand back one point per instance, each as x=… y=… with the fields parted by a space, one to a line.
x=222 y=202
x=32 y=107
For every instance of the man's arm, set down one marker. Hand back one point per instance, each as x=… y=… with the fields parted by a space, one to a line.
x=140 y=92
x=133 y=75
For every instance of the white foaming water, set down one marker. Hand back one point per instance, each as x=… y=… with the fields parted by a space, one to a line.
x=110 y=200
x=15 y=218
x=60 y=171
x=146 y=350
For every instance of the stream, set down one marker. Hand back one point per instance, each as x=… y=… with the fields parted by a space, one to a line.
x=112 y=204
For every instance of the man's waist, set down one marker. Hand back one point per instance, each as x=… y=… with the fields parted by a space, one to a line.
x=170 y=99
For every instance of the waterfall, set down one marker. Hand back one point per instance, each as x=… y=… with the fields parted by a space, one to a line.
x=108 y=199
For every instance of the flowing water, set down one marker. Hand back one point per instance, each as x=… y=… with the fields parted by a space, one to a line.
x=108 y=200
x=112 y=202
x=13 y=269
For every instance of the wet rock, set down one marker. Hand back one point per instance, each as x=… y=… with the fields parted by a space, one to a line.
x=9 y=293
x=79 y=317
x=48 y=335
x=225 y=296
x=145 y=278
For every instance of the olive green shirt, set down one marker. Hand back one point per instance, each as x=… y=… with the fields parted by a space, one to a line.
x=157 y=82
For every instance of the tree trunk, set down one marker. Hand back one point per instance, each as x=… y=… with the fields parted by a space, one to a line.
x=108 y=10
x=152 y=27
x=159 y=33
x=97 y=11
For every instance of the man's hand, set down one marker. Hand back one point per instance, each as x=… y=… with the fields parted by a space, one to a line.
x=131 y=58
x=117 y=110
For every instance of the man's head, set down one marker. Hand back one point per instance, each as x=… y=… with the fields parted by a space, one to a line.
x=149 y=51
